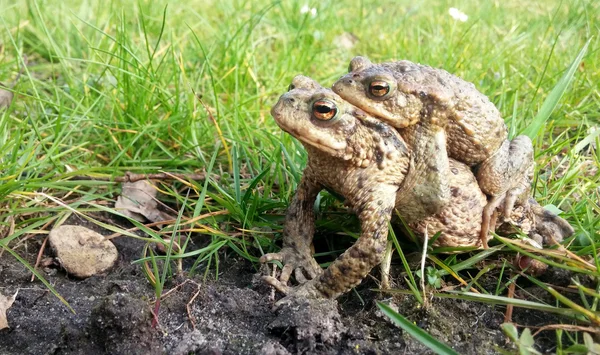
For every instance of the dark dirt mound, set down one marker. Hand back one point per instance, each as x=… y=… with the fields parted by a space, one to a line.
x=230 y=316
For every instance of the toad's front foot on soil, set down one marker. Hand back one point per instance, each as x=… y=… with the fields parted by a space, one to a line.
x=294 y=294
x=303 y=265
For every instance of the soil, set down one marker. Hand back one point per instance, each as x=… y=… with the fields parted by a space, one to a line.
x=231 y=315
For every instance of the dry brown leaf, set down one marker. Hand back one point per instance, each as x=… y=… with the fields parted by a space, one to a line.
x=5 y=303
x=138 y=201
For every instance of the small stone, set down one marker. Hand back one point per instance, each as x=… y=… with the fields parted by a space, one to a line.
x=81 y=251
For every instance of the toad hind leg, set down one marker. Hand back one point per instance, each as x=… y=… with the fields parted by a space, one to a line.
x=505 y=177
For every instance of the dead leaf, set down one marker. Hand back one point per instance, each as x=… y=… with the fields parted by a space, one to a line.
x=6 y=96
x=5 y=303
x=138 y=201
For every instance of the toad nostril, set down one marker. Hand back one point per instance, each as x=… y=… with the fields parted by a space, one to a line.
x=355 y=76
x=291 y=99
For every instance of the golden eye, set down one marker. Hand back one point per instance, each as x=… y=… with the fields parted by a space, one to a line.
x=379 y=88
x=324 y=110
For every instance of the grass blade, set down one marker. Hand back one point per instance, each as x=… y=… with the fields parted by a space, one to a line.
x=554 y=97
x=482 y=255
x=39 y=276
x=505 y=301
x=425 y=338
x=412 y=284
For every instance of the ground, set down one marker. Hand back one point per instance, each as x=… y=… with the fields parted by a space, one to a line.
x=231 y=315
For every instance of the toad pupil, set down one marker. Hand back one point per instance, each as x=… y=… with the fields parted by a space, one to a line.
x=324 y=110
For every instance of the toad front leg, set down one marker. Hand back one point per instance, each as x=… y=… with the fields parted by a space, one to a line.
x=350 y=268
x=298 y=232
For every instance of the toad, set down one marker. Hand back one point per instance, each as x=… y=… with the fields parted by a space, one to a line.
x=367 y=161
x=442 y=116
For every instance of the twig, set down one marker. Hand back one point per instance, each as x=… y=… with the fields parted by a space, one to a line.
x=39 y=257
x=509 y=308
x=43 y=247
x=189 y=311
x=131 y=177
x=571 y=327
x=168 y=293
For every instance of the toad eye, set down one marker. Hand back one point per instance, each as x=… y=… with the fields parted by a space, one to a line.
x=379 y=88
x=324 y=110
x=291 y=87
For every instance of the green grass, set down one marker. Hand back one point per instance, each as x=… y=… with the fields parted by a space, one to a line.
x=414 y=330
x=113 y=86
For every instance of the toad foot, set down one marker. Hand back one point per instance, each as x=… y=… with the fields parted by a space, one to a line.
x=303 y=265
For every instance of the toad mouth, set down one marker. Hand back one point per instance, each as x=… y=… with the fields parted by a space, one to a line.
x=321 y=146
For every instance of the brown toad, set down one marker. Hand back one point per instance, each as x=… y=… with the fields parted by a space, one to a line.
x=441 y=116
x=365 y=161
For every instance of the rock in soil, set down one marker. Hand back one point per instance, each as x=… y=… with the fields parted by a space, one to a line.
x=81 y=251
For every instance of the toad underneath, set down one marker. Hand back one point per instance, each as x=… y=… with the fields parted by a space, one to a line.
x=366 y=161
